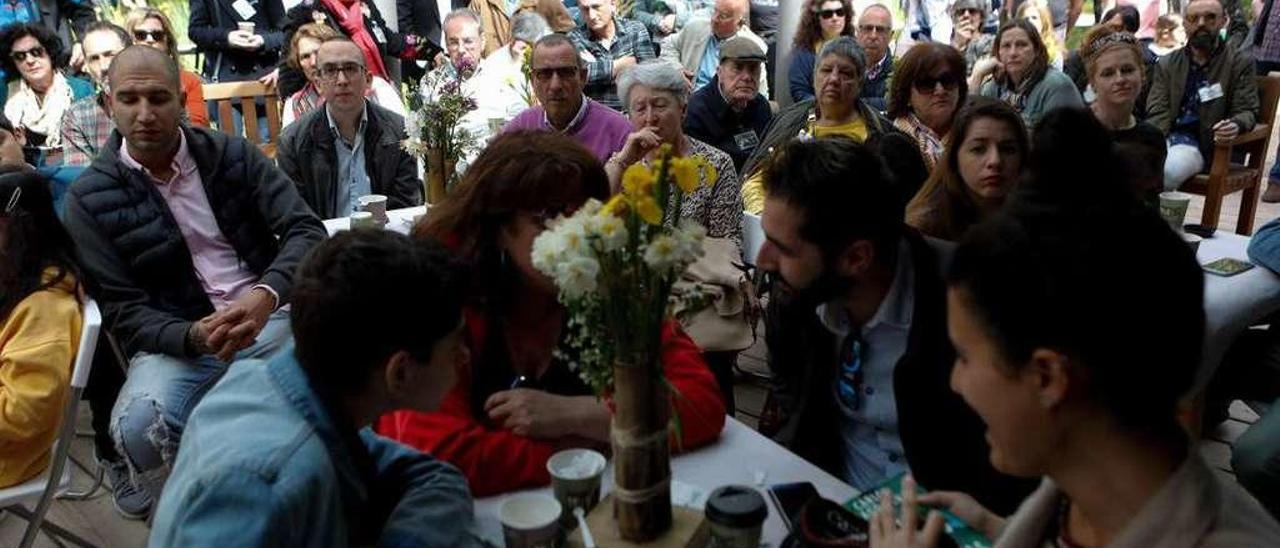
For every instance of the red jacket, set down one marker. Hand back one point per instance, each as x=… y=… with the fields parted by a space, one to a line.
x=496 y=460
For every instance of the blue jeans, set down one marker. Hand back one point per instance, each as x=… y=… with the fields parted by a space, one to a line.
x=158 y=395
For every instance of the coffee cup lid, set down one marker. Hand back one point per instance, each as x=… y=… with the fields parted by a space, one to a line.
x=736 y=506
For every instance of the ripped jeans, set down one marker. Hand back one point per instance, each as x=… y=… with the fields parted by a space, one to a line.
x=158 y=395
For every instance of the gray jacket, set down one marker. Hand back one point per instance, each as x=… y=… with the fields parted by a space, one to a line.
x=1054 y=91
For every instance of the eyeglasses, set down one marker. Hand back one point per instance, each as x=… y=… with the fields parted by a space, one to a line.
x=20 y=56
x=827 y=14
x=350 y=70
x=927 y=84
x=142 y=35
x=868 y=29
x=962 y=12
x=565 y=73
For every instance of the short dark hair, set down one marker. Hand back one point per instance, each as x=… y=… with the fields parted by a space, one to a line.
x=556 y=39
x=365 y=294
x=108 y=26
x=919 y=62
x=1128 y=14
x=844 y=190
x=48 y=40
x=1087 y=271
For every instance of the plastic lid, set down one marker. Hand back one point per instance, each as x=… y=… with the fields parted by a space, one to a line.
x=736 y=506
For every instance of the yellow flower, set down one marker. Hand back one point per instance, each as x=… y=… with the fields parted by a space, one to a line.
x=616 y=206
x=648 y=210
x=685 y=173
x=637 y=181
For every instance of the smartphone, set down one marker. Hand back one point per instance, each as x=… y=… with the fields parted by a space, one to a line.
x=790 y=498
x=1227 y=267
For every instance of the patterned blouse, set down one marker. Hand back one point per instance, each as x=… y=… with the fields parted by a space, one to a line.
x=931 y=146
x=718 y=205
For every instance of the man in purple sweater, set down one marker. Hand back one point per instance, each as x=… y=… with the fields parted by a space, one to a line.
x=558 y=81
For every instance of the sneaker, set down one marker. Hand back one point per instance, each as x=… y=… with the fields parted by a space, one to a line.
x=130 y=501
x=1272 y=194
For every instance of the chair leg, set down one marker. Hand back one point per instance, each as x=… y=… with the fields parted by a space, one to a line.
x=1212 y=207
x=98 y=474
x=1248 y=209
x=50 y=528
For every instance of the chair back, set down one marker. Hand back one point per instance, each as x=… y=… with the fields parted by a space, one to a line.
x=1269 y=95
x=752 y=237
x=246 y=94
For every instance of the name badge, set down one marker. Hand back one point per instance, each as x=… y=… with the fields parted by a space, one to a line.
x=244 y=9
x=588 y=57
x=1210 y=93
x=746 y=141
x=378 y=35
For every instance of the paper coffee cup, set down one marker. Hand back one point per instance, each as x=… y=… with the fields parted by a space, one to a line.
x=363 y=219
x=530 y=521
x=246 y=26
x=1173 y=208
x=1193 y=241
x=375 y=204
x=575 y=480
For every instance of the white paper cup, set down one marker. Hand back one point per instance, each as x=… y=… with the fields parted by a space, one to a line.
x=246 y=26
x=1173 y=207
x=530 y=521
x=363 y=219
x=1193 y=241
x=375 y=204
x=575 y=480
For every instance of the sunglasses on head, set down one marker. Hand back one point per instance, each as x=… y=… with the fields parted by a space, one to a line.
x=827 y=14
x=142 y=35
x=927 y=84
x=20 y=56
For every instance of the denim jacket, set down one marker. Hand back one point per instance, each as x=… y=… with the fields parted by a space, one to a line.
x=263 y=464
x=1264 y=246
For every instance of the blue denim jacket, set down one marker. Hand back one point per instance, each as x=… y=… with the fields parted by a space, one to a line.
x=1264 y=247
x=262 y=464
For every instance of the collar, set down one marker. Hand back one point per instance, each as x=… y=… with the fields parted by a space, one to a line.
x=183 y=164
x=895 y=310
x=577 y=118
x=333 y=125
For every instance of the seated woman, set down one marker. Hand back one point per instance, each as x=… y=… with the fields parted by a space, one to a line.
x=1021 y=76
x=151 y=27
x=1074 y=388
x=821 y=22
x=928 y=87
x=302 y=57
x=656 y=98
x=837 y=111
x=981 y=166
x=40 y=322
x=360 y=21
x=1037 y=13
x=1114 y=63
x=40 y=93
x=517 y=402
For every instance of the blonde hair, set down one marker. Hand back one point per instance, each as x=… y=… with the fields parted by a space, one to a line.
x=1047 y=36
x=138 y=15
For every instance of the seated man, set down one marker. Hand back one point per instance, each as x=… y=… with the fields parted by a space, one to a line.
x=308 y=471
x=609 y=45
x=558 y=80
x=350 y=147
x=192 y=237
x=730 y=113
x=697 y=46
x=857 y=331
x=873 y=31
x=1201 y=94
x=968 y=35
x=502 y=89
x=87 y=124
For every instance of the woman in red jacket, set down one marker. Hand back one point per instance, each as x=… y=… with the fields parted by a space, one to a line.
x=517 y=402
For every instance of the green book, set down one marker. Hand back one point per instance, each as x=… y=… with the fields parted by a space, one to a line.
x=866 y=504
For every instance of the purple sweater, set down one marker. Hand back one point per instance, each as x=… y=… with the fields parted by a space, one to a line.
x=602 y=130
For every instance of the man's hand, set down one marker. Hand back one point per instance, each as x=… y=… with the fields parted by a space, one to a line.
x=1225 y=130
x=537 y=414
x=236 y=327
x=77 y=56
x=639 y=144
x=885 y=532
x=688 y=79
x=668 y=24
x=622 y=64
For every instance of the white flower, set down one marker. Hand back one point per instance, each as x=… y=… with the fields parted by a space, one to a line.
x=611 y=231
x=548 y=251
x=576 y=277
x=589 y=209
x=662 y=252
x=690 y=236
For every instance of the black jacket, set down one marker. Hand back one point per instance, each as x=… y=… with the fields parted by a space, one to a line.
x=308 y=156
x=132 y=247
x=212 y=20
x=942 y=437
x=422 y=18
x=390 y=43
x=711 y=121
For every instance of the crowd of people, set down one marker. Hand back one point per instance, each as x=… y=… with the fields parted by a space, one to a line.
x=937 y=255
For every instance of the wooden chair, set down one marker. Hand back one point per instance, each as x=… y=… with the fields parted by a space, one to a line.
x=1225 y=178
x=247 y=93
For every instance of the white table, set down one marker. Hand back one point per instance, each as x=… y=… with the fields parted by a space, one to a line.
x=1231 y=304
x=736 y=458
x=399 y=220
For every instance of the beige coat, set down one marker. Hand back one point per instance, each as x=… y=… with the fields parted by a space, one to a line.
x=495 y=23
x=1194 y=508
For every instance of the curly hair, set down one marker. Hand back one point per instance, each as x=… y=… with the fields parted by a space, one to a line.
x=319 y=32
x=920 y=62
x=48 y=40
x=810 y=30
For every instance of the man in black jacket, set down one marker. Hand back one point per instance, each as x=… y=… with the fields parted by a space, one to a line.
x=192 y=238
x=350 y=147
x=857 y=332
x=729 y=112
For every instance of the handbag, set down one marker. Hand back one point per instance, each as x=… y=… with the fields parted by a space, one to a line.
x=716 y=300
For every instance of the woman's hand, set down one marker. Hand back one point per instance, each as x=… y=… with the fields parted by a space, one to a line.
x=639 y=144
x=886 y=533
x=983 y=68
x=968 y=510
x=541 y=415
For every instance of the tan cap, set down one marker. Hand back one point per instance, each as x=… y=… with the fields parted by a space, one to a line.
x=741 y=48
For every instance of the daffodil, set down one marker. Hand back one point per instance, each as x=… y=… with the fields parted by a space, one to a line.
x=637 y=181
x=662 y=252
x=685 y=173
x=617 y=206
x=648 y=210
x=612 y=232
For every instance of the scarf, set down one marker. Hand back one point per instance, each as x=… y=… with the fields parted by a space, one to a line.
x=930 y=144
x=351 y=19
x=306 y=100
x=25 y=110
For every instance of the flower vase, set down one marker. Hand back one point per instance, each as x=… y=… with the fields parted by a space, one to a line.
x=438 y=173
x=641 y=456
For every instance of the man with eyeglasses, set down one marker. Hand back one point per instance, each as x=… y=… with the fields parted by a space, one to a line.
x=1204 y=93
x=697 y=46
x=729 y=113
x=857 y=331
x=969 y=35
x=559 y=78
x=87 y=124
x=875 y=27
x=351 y=146
x=609 y=45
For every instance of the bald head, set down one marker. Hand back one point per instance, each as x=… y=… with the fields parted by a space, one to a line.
x=139 y=59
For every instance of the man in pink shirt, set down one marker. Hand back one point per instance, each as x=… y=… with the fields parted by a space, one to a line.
x=192 y=237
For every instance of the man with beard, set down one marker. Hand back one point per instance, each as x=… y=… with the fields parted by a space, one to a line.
x=1201 y=94
x=857 y=333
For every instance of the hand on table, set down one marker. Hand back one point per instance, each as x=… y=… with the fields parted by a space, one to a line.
x=885 y=532
x=1225 y=130
x=967 y=509
x=236 y=327
x=538 y=414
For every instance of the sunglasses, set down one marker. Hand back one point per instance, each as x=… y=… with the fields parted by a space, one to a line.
x=143 y=35
x=928 y=83
x=827 y=14
x=20 y=56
